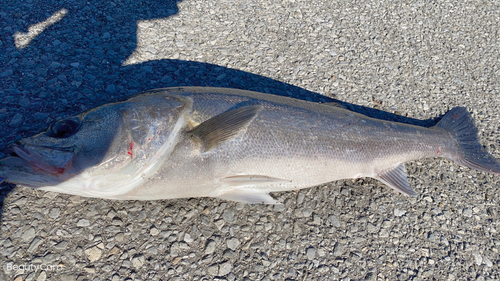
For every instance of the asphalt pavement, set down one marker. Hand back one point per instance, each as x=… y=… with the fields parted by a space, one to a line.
x=408 y=61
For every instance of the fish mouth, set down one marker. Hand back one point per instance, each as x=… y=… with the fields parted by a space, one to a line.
x=53 y=160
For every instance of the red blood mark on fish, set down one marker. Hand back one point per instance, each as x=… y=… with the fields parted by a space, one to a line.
x=149 y=139
x=59 y=171
x=455 y=116
x=131 y=149
x=439 y=150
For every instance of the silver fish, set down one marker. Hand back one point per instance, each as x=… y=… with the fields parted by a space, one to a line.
x=230 y=144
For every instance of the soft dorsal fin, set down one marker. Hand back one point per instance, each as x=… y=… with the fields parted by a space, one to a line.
x=396 y=179
x=224 y=126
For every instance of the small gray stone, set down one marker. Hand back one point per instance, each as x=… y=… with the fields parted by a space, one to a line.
x=188 y=238
x=478 y=259
x=42 y=276
x=54 y=213
x=119 y=237
x=279 y=207
x=24 y=102
x=213 y=270
x=68 y=277
x=154 y=231
x=6 y=251
x=93 y=253
x=49 y=258
x=166 y=79
x=30 y=277
x=384 y=233
x=311 y=253
x=371 y=276
x=210 y=248
x=225 y=268
x=6 y=73
x=219 y=224
x=138 y=261
x=28 y=234
x=229 y=215
x=339 y=249
x=307 y=212
x=61 y=245
x=333 y=220
x=233 y=243
x=110 y=88
x=34 y=244
x=20 y=202
x=116 y=221
x=83 y=222
x=371 y=228
x=175 y=249
x=40 y=116
x=16 y=120
x=152 y=250
x=55 y=64
x=467 y=212
x=398 y=212
x=432 y=237
x=142 y=215
x=488 y=262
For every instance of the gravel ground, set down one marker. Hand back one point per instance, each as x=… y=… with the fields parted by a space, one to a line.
x=394 y=60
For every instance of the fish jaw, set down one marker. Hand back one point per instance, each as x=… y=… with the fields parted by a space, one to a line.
x=48 y=159
x=19 y=171
x=36 y=166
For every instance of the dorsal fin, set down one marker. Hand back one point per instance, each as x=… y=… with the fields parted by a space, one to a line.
x=224 y=126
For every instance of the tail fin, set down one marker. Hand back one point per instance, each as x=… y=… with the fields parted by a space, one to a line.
x=460 y=124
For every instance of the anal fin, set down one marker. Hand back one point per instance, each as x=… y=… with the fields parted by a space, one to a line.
x=396 y=179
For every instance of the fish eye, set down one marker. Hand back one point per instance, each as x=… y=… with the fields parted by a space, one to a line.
x=64 y=128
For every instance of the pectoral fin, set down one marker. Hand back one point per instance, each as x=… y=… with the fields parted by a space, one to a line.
x=224 y=126
x=396 y=179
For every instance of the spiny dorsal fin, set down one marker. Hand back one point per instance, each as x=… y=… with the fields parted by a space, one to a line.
x=397 y=180
x=224 y=126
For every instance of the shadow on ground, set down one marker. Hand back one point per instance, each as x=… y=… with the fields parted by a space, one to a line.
x=75 y=64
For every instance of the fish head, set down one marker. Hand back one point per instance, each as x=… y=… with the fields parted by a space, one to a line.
x=101 y=152
x=67 y=148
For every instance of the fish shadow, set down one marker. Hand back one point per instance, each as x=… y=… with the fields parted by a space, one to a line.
x=76 y=63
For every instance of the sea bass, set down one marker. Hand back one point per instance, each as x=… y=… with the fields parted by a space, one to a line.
x=230 y=144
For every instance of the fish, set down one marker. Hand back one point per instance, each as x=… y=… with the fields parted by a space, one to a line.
x=230 y=144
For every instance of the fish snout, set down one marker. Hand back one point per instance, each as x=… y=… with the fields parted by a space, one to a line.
x=50 y=159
